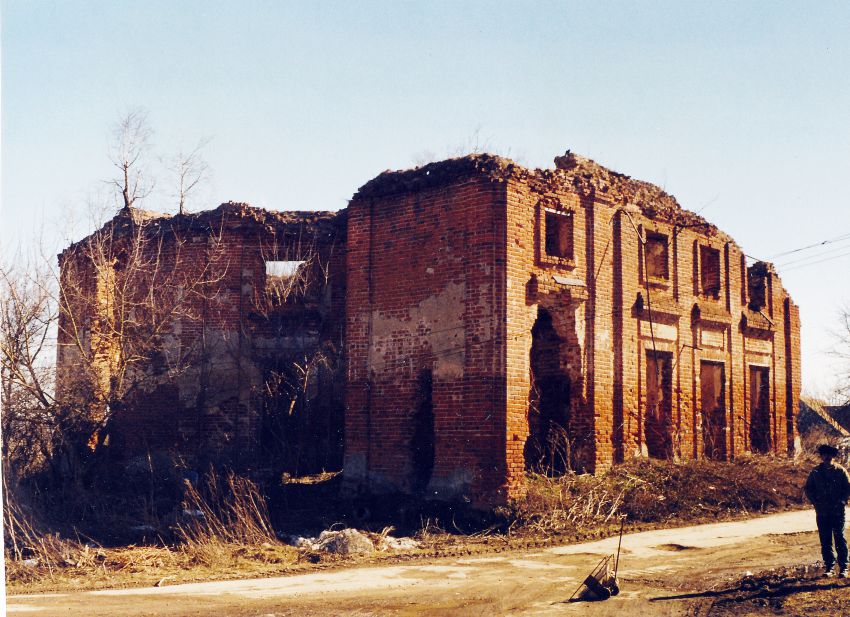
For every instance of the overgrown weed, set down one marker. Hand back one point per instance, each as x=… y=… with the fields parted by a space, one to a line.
x=222 y=524
x=225 y=517
x=654 y=491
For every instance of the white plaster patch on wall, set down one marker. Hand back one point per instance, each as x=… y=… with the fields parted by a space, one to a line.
x=663 y=331
x=581 y=327
x=759 y=346
x=603 y=339
x=440 y=315
x=714 y=339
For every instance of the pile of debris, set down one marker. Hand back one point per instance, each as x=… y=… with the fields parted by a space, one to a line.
x=353 y=542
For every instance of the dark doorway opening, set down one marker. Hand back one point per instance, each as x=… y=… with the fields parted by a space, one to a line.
x=760 y=440
x=658 y=422
x=422 y=442
x=300 y=425
x=549 y=446
x=713 y=404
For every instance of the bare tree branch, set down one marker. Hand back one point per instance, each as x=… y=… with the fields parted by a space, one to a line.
x=189 y=170
x=131 y=141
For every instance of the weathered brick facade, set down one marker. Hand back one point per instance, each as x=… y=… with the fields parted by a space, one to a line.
x=490 y=319
x=214 y=359
x=554 y=318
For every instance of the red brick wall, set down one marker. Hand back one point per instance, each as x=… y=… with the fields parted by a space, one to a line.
x=440 y=281
x=611 y=349
x=205 y=408
x=404 y=252
x=425 y=293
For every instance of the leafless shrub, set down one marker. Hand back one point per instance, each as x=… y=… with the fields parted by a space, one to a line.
x=122 y=293
x=224 y=511
x=28 y=314
x=31 y=548
x=815 y=436
x=654 y=491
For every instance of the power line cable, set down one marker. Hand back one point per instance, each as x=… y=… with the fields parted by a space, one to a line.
x=803 y=265
x=813 y=256
x=811 y=246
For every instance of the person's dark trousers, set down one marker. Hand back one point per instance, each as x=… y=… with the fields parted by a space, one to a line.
x=831 y=527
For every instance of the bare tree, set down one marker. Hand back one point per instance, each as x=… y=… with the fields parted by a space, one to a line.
x=125 y=294
x=842 y=353
x=130 y=143
x=28 y=314
x=189 y=170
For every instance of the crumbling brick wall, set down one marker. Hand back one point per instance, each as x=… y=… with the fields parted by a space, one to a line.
x=202 y=391
x=425 y=307
x=478 y=319
x=577 y=249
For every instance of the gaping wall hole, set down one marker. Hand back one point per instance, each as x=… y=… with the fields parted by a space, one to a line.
x=709 y=259
x=549 y=446
x=757 y=276
x=656 y=256
x=559 y=234
x=285 y=279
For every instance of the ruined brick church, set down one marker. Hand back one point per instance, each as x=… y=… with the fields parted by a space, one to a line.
x=473 y=319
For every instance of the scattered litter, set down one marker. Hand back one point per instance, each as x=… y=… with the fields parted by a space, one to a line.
x=30 y=563
x=397 y=544
x=299 y=541
x=344 y=542
x=600 y=584
x=352 y=542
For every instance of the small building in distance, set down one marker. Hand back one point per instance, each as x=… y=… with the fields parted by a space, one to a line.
x=500 y=319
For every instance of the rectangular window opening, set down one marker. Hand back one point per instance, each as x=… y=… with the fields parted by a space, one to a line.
x=559 y=234
x=282 y=269
x=757 y=276
x=283 y=278
x=709 y=259
x=656 y=256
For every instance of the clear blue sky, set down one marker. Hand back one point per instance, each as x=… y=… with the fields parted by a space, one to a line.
x=741 y=110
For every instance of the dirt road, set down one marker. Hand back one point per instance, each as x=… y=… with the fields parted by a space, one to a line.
x=681 y=571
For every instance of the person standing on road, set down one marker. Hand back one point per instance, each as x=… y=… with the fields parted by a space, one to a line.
x=828 y=488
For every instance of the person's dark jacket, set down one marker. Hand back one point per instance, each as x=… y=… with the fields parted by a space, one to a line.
x=828 y=486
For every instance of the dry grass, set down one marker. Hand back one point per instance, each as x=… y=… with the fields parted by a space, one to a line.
x=233 y=537
x=229 y=509
x=651 y=491
x=30 y=549
x=228 y=523
x=227 y=534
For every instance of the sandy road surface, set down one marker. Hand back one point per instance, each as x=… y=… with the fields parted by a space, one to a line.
x=662 y=572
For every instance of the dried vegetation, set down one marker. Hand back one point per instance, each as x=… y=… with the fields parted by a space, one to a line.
x=222 y=526
x=658 y=492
